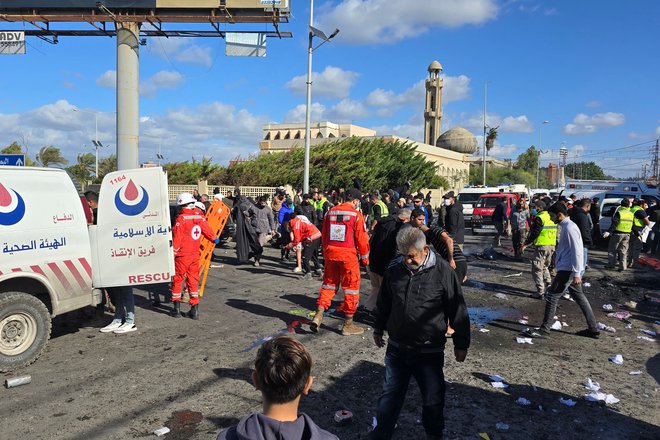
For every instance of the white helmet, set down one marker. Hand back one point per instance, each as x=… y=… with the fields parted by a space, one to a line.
x=185 y=199
x=201 y=206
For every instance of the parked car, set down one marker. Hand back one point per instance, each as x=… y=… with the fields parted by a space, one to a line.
x=482 y=216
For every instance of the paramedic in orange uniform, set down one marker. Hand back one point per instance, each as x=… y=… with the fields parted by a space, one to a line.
x=186 y=235
x=345 y=246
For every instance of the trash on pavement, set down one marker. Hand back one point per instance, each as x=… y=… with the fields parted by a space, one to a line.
x=484 y=330
x=484 y=436
x=618 y=359
x=519 y=274
x=606 y=328
x=623 y=314
x=591 y=385
x=635 y=373
x=343 y=417
x=608 y=307
x=496 y=378
x=649 y=332
x=374 y=423
x=597 y=396
x=501 y=296
x=162 y=431
x=522 y=340
x=522 y=401
x=564 y=324
x=523 y=321
x=499 y=385
x=18 y=381
x=629 y=325
x=556 y=325
x=646 y=338
x=567 y=402
x=501 y=426
x=631 y=304
x=586 y=284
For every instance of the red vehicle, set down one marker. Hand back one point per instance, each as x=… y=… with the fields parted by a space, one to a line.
x=482 y=217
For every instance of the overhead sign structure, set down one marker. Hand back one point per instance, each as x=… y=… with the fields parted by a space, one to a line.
x=242 y=44
x=17 y=160
x=12 y=42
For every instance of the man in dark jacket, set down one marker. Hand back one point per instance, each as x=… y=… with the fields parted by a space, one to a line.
x=308 y=209
x=454 y=222
x=420 y=293
x=382 y=245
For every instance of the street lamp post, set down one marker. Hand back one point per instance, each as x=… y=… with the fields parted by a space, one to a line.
x=160 y=144
x=96 y=142
x=310 y=49
x=538 y=160
x=484 y=146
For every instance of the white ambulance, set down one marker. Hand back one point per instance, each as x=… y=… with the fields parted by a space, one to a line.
x=52 y=262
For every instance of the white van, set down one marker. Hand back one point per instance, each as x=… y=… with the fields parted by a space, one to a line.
x=51 y=261
x=610 y=189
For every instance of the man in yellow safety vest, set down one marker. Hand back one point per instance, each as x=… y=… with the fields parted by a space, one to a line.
x=543 y=234
x=619 y=233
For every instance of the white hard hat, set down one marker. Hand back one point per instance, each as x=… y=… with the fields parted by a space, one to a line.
x=217 y=197
x=185 y=199
x=201 y=206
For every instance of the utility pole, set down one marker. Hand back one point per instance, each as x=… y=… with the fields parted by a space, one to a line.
x=484 y=146
x=656 y=162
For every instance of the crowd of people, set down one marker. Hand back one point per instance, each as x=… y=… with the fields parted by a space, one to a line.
x=414 y=257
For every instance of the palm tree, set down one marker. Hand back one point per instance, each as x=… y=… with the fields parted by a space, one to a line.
x=84 y=167
x=107 y=165
x=490 y=138
x=50 y=156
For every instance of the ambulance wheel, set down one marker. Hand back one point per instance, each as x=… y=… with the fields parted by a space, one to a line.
x=24 y=329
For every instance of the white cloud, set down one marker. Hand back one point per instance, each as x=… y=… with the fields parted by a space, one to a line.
x=108 y=80
x=347 y=110
x=410 y=130
x=160 y=80
x=503 y=150
x=214 y=129
x=510 y=124
x=297 y=114
x=333 y=82
x=593 y=104
x=386 y=21
x=455 y=88
x=181 y=49
x=585 y=124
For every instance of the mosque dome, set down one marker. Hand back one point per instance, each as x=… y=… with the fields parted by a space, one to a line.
x=458 y=139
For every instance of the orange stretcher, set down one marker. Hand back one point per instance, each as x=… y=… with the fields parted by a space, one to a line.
x=216 y=216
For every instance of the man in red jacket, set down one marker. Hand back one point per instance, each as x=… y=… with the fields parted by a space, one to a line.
x=307 y=237
x=186 y=234
x=345 y=247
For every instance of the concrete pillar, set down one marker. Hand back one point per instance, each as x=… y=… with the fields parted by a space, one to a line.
x=128 y=114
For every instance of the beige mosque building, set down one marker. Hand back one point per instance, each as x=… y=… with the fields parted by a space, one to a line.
x=450 y=151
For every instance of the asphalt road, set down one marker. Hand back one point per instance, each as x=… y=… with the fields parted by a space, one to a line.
x=194 y=376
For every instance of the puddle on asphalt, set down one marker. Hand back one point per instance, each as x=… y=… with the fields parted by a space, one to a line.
x=183 y=424
x=481 y=316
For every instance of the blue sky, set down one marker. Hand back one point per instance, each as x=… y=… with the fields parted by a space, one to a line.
x=589 y=67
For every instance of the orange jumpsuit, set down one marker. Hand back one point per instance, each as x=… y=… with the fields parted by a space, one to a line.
x=186 y=234
x=345 y=245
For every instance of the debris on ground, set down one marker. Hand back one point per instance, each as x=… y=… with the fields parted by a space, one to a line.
x=162 y=431
x=621 y=315
x=591 y=385
x=484 y=330
x=519 y=274
x=522 y=340
x=501 y=426
x=18 y=381
x=523 y=402
x=567 y=402
x=556 y=325
x=649 y=332
x=598 y=396
x=608 y=307
x=635 y=373
x=618 y=359
x=646 y=338
x=606 y=328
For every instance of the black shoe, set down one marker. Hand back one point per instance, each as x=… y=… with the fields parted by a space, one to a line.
x=176 y=310
x=587 y=333
x=194 y=313
x=535 y=333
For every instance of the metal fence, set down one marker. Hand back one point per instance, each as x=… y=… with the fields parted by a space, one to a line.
x=204 y=188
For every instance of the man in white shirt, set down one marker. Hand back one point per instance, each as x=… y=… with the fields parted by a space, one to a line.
x=570 y=265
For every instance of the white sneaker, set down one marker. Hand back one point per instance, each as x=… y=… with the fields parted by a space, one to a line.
x=114 y=325
x=297 y=270
x=126 y=328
